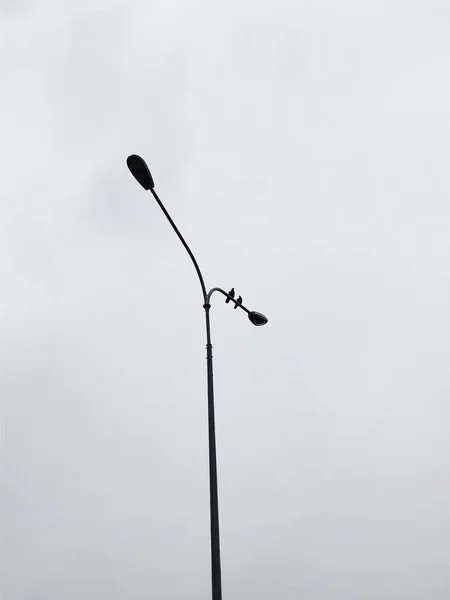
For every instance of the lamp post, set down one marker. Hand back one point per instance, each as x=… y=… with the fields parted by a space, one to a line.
x=142 y=174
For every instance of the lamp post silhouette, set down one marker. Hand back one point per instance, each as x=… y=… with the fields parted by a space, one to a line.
x=141 y=173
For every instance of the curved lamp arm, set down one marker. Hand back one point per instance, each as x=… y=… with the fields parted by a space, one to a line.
x=141 y=173
x=256 y=318
x=183 y=241
x=217 y=289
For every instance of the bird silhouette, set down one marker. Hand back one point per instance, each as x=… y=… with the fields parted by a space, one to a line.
x=238 y=301
x=231 y=294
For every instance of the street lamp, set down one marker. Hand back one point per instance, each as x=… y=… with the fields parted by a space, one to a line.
x=141 y=173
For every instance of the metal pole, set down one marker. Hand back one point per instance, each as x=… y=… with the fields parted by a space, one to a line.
x=141 y=173
x=213 y=492
x=213 y=495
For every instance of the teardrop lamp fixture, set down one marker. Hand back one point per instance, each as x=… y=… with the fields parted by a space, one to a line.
x=140 y=171
x=257 y=318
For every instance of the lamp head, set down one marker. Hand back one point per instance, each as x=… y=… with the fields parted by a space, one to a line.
x=140 y=171
x=257 y=318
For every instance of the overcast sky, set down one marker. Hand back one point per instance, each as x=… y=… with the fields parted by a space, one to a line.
x=302 y=147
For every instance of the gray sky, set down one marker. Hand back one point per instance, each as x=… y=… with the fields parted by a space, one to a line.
x=303 y=148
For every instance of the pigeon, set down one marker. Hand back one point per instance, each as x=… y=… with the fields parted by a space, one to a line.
x=238 y=301
x=230 y=293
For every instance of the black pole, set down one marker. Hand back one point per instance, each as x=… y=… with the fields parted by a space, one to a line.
x=216 y=577
x=183 y=241
x=142 y=174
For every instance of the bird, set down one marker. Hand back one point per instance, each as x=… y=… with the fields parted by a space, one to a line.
x=238 y=302
x=231 y=294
